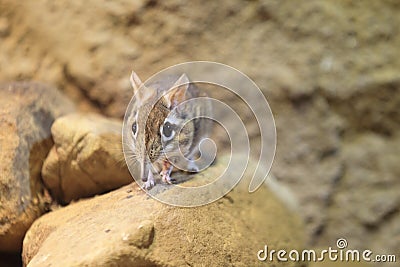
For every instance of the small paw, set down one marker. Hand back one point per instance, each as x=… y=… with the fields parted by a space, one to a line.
x=148 y=184
x=166 y=178
x=166 y=173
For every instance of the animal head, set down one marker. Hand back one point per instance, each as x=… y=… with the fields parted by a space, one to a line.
x=153 y=132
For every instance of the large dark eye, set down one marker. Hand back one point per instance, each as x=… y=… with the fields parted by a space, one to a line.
x=134 y=128
x=167 y=129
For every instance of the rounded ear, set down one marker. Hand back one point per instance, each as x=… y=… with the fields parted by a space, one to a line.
x=145 y=93
x=135 y=82
x=177 y=92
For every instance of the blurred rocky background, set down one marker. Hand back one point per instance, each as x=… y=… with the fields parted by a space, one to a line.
x=329 y=69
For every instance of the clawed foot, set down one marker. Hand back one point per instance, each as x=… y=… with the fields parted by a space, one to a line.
x=149 y=184
x=150 y=181
x=166 y=173
x=165 y=176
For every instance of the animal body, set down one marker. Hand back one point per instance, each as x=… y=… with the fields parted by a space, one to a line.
x=166 y=129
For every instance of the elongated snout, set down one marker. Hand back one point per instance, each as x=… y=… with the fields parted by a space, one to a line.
x=143 y=171
x=143 y=164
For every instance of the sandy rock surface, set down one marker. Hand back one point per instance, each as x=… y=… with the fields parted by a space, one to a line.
x=86 y=158
x=126 y=227
x=27 y=112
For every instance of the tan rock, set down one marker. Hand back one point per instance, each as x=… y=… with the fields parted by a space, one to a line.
x=128 y=228
x=328 y=68
x=27 y=112
x=86 y=158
